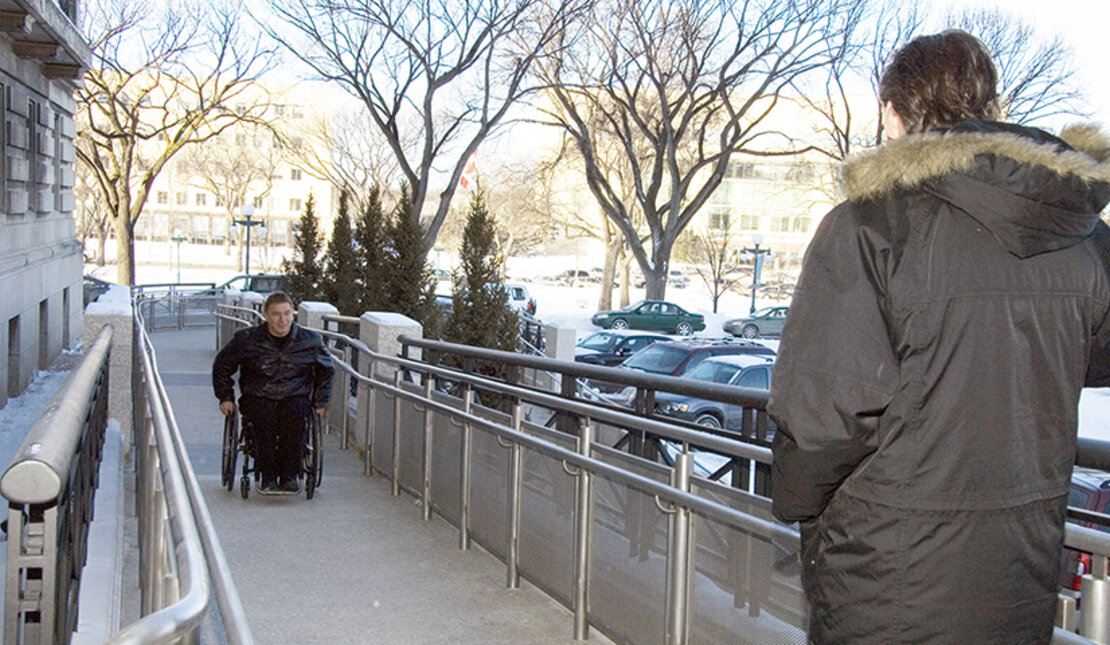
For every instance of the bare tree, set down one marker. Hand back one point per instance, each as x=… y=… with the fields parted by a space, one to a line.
x=91 y=219
x=712 y=251
x=1036 y=75
x=436 y=77
x=347 y=150
x=240 y=163
x=691 y=83
x=162 y=79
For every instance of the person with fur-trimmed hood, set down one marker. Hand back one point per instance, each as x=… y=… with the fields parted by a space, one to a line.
x=948 y=314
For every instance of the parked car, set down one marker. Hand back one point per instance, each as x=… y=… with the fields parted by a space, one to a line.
x=1090 y=491
x=671 y=358
x=651 y=315
x=765 y=322
x=94 y=287
x=572 y=277
x=263 y=283
x=612 y=347
x=519 y=299
x=752 y=371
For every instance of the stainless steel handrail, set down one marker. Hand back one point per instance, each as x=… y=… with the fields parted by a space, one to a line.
x=192 y=551
x=50 y=487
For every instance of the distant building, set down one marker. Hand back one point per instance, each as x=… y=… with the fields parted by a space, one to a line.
x=199 y=193
x=41 y=60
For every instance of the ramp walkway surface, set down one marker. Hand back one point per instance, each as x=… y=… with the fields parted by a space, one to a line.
x=354 y=564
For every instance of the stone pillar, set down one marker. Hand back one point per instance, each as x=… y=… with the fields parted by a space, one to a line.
x=379 y=331
x=114 y=308
x=559 y=345
x=311 y=314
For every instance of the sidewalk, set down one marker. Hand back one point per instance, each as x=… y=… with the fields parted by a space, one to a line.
x=354 y=564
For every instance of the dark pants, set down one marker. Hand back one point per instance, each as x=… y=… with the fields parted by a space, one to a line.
x=277 y=429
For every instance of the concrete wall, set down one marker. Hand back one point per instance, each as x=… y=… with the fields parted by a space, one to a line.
x=40 y=258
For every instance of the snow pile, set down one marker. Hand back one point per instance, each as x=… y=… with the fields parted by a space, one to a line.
x=21 y=412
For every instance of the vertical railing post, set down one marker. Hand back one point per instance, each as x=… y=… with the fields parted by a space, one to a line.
x=429 y=420
x=368 y=467
x=678 y=555
x=1094 y=589
x=583 y=537
x=464 y=471
x=396 y=466
x=346 y=394
x=516 y=489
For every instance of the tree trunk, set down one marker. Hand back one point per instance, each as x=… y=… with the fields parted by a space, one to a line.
x=608 y=272
x=102 y=246
x=125 y=248
x=626 y=280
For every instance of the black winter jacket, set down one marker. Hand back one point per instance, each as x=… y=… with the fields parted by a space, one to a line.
x=268 y=370
x=926 y=391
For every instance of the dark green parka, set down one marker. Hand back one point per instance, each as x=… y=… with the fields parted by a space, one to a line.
x=926 y=392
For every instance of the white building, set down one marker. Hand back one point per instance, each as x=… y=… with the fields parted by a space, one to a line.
x=41 y=57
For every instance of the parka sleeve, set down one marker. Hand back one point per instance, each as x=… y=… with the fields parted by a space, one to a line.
x=322 y=372
x=836 y=370
x=1098 y=366
x=224 y=368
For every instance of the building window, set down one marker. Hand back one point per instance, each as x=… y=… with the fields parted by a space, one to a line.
x=780 y=224
x=240 y=140
x=295 y=174
x=718 y=221
x=181 y=199
x=749 y=222
x=202 y=199
x=294 y=204
x=801 y=225
x=163 y=197
x=257 y=202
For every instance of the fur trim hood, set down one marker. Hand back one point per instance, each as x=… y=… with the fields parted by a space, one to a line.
x=1035 y=192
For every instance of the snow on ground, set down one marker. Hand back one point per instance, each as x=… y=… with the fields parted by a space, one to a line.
x=20 y=413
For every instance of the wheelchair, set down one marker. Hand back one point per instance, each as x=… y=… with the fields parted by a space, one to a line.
x=237 y=439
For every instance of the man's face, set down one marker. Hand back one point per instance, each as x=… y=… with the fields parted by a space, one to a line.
x=279 y=318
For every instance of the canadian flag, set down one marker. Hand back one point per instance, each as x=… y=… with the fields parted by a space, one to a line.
x=469 y=170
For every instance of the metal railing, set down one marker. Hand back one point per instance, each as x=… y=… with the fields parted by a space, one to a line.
x=178 y=546
x=50 y=486
x=176 y=306
x=586 y=501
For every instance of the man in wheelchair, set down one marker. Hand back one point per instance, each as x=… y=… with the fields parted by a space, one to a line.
x=284 y=376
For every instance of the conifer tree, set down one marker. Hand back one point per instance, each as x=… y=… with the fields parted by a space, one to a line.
x=409 y=283
x=370 y=230
x=482 y=316
x=304 y=272
x=341 y=270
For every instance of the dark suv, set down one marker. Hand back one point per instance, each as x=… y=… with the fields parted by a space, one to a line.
x=671 y=358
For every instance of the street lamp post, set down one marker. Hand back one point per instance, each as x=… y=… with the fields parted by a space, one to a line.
x=179 y=238
x=248 y=211
x=758 y=255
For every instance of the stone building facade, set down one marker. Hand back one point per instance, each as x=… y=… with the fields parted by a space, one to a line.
x=42 y=57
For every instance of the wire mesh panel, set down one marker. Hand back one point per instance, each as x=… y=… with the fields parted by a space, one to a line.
x=745 y=588
x=489 y=477
x=446 y=461
x=628 y=563
x=547 y=519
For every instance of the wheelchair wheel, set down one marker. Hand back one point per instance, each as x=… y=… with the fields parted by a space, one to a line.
x=231 y=449
x=313 y=456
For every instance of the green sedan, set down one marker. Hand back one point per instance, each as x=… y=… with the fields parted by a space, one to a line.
x=654 y=315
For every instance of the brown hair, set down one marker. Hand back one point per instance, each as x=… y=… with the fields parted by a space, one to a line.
x=276 y=297
x=939 y=80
